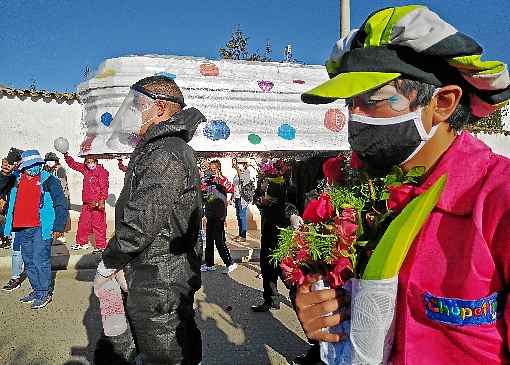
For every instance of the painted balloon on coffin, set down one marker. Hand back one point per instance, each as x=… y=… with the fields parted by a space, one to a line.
x=265 y=85
x=216 y=130
x=286 y=131
x=334 y=120
x=209 y=69
x=106 y=119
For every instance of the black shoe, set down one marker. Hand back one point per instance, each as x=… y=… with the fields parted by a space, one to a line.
x=265 y=307
x=13 y=284
x=311 y=357
x=5 y=243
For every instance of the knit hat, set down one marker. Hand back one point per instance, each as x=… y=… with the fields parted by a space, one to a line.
x=51 y=156
x=415 y=43
x=14 y=155
x=30 y=158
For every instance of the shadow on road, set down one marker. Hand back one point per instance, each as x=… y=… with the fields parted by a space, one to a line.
x=232 y=333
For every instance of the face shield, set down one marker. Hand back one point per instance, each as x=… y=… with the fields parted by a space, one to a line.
x=137 y=110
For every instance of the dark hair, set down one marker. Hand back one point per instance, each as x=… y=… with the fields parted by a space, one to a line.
x=161 y=85
x=460 y=117
x=217 y=162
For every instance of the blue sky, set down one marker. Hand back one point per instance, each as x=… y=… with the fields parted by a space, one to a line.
x=52 y=41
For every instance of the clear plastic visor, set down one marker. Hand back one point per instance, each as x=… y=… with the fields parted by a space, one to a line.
x=129 y=119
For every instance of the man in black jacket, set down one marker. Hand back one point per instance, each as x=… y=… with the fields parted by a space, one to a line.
x=157 y=221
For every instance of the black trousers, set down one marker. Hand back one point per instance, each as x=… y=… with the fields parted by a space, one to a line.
x=270 y=272
x=215 y=235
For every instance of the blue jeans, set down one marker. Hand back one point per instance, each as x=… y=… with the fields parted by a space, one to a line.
x=242 y=218
x=36 y=255
x=16 y=259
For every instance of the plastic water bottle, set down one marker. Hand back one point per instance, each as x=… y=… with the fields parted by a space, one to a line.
x=113 y=315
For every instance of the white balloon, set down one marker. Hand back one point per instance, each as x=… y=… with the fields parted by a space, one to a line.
x=61 y=144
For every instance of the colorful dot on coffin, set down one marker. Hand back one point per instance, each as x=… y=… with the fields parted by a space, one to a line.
x=254 y=138
x=106 y=73
x=86 y=145
x=334 y=120
x=216 y=130
x=106 y=119
x=209 y=69
x=169 y=75
x=265 y=85
x=286 y=131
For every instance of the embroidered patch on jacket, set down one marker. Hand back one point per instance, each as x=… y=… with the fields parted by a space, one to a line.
x=462 y=312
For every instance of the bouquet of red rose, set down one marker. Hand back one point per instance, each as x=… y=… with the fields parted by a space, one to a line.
x=356 y=235
x=273 y=168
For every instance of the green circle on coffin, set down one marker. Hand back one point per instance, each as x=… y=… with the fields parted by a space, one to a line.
x=254 y=138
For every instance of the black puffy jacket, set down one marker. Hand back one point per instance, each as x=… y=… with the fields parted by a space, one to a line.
x=157 y=220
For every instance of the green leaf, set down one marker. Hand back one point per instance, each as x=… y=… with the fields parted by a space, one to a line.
x=388 y=256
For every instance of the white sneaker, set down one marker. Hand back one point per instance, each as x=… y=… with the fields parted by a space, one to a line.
x=231 y=268
x=205 y=268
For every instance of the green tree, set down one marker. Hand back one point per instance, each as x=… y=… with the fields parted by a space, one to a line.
x=236 y=48
x=492 y=124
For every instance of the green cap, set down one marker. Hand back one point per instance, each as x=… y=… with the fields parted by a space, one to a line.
x=413 y=42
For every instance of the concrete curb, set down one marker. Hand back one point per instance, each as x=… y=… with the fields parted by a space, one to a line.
x=62 y=260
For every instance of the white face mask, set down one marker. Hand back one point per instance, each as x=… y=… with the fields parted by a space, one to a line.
x=91 y=166
x=51 y=164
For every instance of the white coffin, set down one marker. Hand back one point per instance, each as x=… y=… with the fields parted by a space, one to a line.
x=238 y=92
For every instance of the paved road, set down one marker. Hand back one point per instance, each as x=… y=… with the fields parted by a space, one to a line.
x=66 y=331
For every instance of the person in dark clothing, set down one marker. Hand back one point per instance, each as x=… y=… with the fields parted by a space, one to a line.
x=216 y=186
x=157 y=220
x=270 y=198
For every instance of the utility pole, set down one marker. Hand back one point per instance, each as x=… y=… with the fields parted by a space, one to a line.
x=345 y=17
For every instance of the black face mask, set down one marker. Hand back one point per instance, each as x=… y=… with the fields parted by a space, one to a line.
x=382 y=143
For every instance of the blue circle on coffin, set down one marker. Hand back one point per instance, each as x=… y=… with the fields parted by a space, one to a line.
x=216 y=130
x=106 y=119
x=167 y=74
x=286 y=131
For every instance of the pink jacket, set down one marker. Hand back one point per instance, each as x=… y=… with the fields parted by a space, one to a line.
x=95 y=182
x=456 y=276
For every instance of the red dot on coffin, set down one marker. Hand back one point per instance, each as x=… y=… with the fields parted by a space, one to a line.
x=209 y=69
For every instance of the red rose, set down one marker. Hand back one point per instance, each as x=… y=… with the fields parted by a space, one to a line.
x=292 y=272
x=346 y=228
x=325 y=209
x=349 y=214
x=332 y=169
x=400 y=195
x=288 y=265
x=297 y=277
x=356 y=163
x=310 y=213
x=341 y=272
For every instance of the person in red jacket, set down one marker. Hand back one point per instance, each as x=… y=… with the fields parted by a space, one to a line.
x=94 y=194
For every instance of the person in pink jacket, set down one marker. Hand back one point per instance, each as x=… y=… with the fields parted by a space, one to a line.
x=411 y=83
x=94 y=194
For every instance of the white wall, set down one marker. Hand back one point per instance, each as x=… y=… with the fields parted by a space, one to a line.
x=34 y=123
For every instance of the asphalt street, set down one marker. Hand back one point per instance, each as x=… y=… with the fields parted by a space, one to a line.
x=67 y=330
